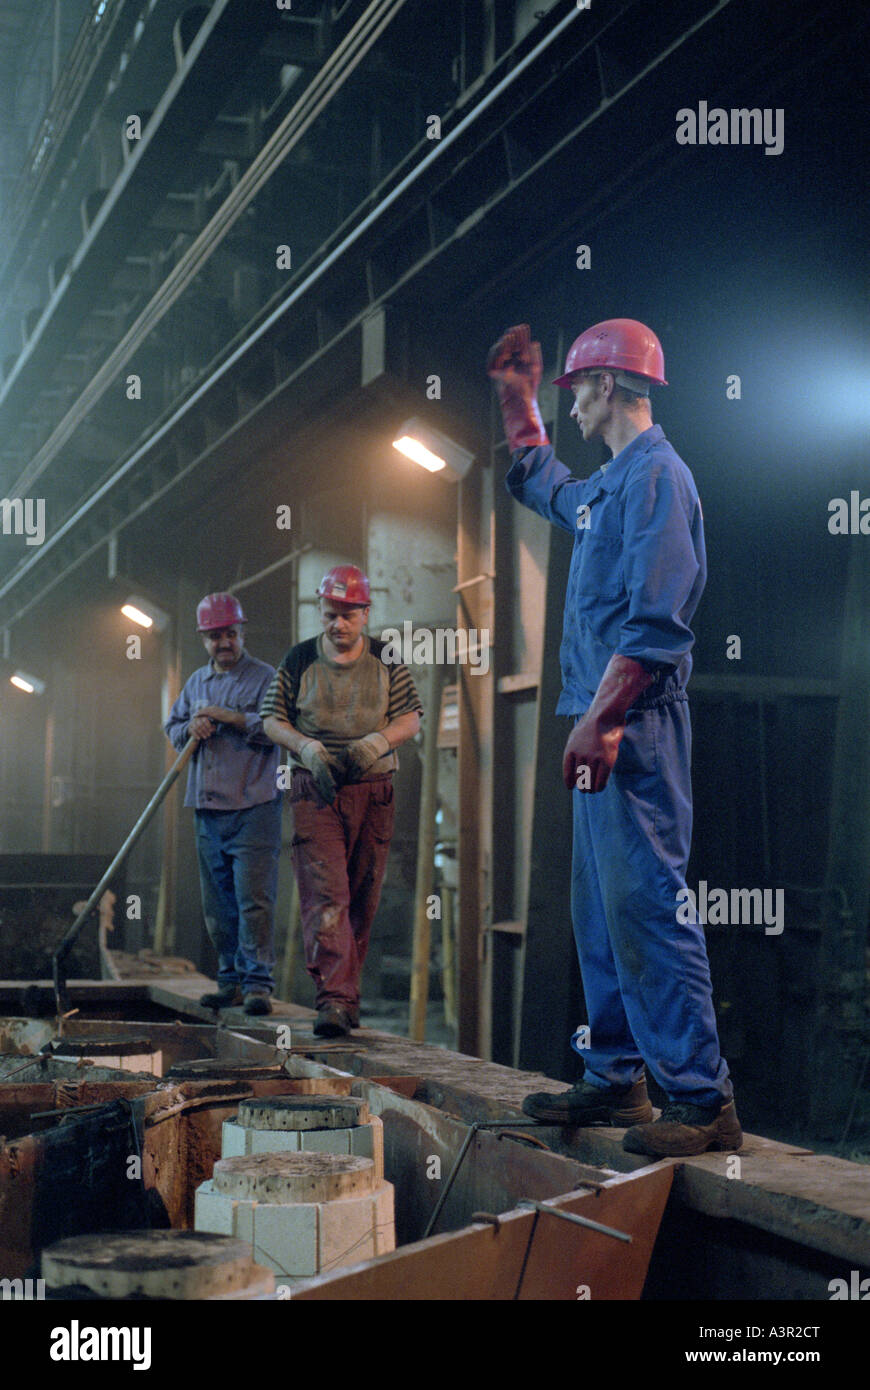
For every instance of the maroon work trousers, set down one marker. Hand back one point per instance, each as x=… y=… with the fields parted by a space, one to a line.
x=339 y=855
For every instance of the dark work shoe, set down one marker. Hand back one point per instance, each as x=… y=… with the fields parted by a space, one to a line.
x=586 y=1104
x=223 y=998
x=333 y=1020
x=258 y=1004
x=684 y=1129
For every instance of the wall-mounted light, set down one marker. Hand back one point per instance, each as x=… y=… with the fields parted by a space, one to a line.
x=31 y=685
x=145 y=613
x=433 y=450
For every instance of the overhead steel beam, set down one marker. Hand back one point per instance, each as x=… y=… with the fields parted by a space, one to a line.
x=70 y=111
x=190 y=102
x=436 y=247
x=312 y=279
x=320 y=91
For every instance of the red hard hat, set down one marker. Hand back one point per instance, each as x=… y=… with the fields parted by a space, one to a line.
x=346 y=584
x=218 y=610
x=620 y=344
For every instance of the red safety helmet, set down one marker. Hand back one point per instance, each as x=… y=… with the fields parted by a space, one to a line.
x=346 y=584
x=218 y=610
x=619 y=344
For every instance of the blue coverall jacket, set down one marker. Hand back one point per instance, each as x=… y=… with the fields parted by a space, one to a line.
x=637 y=573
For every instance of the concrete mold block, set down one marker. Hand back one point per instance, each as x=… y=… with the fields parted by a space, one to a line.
x=303 y=1213
x=305 y=1124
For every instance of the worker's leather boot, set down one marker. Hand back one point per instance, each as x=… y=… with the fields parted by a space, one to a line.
x=684 y=1129
x=222 y=998
x=257 y=1004
x=333 y=1020
x=586 y=1104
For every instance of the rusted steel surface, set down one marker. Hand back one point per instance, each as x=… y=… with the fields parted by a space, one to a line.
x=179 y=1042
x=69 y=1178
x=816 y=1206
x=421 y=1146
x=406 y=1086
x=19 y=1102
x=815 y=1202
x=20 y=1164
x=67 y=1151
x=525 y=1255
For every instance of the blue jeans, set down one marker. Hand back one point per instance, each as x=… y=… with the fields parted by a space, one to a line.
x=238 y=873
x=645 y=975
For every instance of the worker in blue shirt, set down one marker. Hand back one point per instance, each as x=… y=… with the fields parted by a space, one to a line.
x=232 y=785
x=637 y=572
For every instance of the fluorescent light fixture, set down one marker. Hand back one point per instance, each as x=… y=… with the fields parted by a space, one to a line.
x=31 y=685
x=145 y=613
x=136 y=615
x=413 y=449
x=432 y=450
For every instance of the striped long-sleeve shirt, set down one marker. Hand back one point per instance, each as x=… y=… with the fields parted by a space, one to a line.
x=235 y=768
x=337 y=703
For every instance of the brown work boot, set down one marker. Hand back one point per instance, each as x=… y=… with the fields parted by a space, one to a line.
x=256 y=1004
x=683 y=1129
x=586 y=1104
x=333 y=1020
x=223 y=998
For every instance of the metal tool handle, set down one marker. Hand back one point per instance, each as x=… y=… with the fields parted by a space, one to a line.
x=69 y=940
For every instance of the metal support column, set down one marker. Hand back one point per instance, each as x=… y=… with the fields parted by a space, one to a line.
x=475 y=757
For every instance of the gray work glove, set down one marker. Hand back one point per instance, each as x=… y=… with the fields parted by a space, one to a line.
x=363 y=753
x=315 y=757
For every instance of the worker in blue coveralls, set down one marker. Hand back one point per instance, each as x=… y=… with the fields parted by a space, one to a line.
x=637 y=572
x=232 y=785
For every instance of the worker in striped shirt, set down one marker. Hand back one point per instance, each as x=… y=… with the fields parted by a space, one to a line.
x=341 y=710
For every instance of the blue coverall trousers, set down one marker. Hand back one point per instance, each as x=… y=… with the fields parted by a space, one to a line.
x=645 y=975
x=238 y=872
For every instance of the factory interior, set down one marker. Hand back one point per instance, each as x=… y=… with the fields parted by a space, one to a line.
x=258 y=265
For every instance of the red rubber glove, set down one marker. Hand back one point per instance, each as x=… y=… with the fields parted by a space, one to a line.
x=514 y=363
x=594 y=741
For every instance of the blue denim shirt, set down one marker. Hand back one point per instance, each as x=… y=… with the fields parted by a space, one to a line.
x=235 y=768
x=638 y=567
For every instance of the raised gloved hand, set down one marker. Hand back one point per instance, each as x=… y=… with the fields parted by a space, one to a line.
x=363 y=753
x=594 y=741
x=514 y=363
x=319 y=764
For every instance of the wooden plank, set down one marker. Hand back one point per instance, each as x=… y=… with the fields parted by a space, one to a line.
x=448 y=717
x=476 y=709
